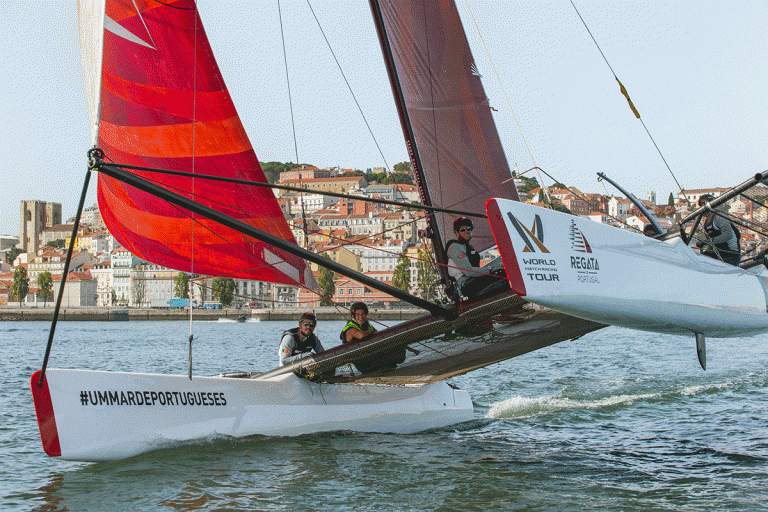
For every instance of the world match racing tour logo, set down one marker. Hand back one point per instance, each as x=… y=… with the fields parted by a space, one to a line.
x=537 y=269
x=545 y=269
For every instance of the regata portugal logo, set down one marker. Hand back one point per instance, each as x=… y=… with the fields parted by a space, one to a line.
x=578 y=240
x=534 y=237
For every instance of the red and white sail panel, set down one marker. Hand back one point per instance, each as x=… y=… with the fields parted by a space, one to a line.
x=157 y=99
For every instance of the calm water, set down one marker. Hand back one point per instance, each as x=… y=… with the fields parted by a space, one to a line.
x=618 y=420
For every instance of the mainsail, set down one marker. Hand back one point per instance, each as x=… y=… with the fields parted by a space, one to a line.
x=444 y=110
x=157 y=99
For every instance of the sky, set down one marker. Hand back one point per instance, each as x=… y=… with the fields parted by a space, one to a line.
x=697 y=72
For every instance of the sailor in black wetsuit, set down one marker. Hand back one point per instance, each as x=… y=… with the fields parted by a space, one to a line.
x=722 y=233
x=300 y=341
x=464 y=262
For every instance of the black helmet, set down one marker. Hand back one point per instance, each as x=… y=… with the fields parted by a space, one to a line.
x=705 y=199
x=307 y=316
x=358 y=305
x=462 y=222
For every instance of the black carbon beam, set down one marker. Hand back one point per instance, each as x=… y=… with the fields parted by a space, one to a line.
x=64 y=273
x=222 y=179
x=114 y=171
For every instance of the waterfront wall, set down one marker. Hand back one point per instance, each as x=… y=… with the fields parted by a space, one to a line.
x=123 y=314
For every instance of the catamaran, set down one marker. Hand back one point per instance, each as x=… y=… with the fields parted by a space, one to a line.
x=619 y=277
x=180 y=185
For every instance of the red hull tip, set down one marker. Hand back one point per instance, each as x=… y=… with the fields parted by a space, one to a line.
x=504 y=243
x=46 y=420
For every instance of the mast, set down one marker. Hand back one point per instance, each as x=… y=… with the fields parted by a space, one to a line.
x=410 y=139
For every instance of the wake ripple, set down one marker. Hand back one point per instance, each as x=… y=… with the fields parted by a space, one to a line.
x=525 y=407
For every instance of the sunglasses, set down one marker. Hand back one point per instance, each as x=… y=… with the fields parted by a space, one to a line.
x=308 y=324
x=464 y=230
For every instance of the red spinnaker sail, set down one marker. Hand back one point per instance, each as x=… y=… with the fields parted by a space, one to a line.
x=460 y=151
x=162 y=103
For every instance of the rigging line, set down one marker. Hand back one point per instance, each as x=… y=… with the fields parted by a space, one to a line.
x=631 y=105
x=290 y=104
x=357 y=241
x=758 y=203
x=287 y=80
x=216 y=234
x=176 y=6
x=740 y=221
x=415 y=206
x=588 y=202
x=194 y=128
x=349 y=87
x=498 y=78
x=306 y=230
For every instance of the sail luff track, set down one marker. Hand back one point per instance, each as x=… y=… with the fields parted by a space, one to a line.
x=448 y=121
x=410 y=139
x=90 y=18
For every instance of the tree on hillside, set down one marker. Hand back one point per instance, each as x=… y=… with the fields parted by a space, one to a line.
x=57 y=244
x=20 y=286
x=45 y=283
x=12 y=255
x=401 y=277
x=671 y=200
x=404 y=167
x=223 y=288
x=377 y=177
x=530 y=184
x=327 y=286
x=272 y=170
x=426 y=275
x=556 y=205
x=181 y=285
x=398 y=177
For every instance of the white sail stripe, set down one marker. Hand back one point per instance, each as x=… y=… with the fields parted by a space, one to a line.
x=144 y=23
x=121 y=31
x=282 y=265
x=91 y=30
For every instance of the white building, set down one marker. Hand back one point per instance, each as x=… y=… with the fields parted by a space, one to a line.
x=102 y=274
x=151 y=284
x=598 y=217
x=79 y=291
x=53 y=262
x=381 y=255
x=618 y=207
x=314 y=202
x=122 y=264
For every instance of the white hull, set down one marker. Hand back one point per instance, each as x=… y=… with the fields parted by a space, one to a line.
x=94 y=415
x=617 y=277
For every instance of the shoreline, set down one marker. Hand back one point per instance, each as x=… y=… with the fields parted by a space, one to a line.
x=117 y=314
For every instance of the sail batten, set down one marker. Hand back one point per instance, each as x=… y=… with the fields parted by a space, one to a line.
x=159 y=101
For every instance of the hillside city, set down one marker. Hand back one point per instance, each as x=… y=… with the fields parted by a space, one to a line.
x=385 y=242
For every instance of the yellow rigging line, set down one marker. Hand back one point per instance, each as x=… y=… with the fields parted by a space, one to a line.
x=631 y=105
